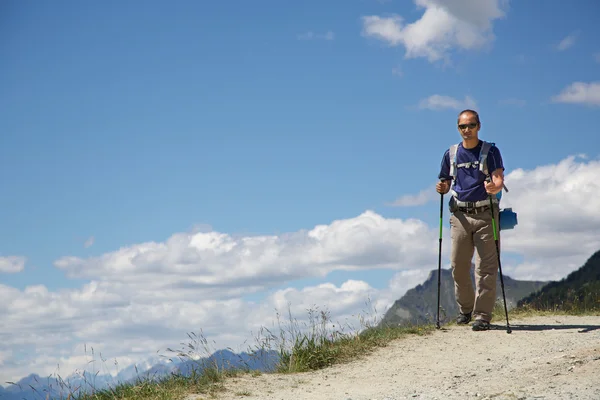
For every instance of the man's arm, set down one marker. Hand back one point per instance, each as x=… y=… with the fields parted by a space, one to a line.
x=443 y=186
x=497 y=167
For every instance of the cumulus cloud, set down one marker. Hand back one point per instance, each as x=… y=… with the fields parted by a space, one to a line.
x=441 y=102
x=558 y=217
x=216 y=260
x=445 y=25
x=153 y=293
x=126 y=329
x=580 y=93
x=145 y=298
x=12 y=264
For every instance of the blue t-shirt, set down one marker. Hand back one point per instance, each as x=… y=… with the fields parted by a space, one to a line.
x=470 y=182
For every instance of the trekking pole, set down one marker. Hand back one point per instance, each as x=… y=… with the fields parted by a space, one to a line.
x=437 y=324
x=508 y=330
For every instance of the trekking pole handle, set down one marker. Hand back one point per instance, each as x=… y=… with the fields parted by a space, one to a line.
x=488 y=179
x=442 y=180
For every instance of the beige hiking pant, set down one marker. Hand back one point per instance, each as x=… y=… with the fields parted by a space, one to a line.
x=470 y=232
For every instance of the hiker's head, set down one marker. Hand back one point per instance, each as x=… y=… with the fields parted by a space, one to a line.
x=469 y=124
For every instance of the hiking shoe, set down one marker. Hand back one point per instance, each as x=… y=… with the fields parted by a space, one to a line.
x=463 y=318
x=481 y=325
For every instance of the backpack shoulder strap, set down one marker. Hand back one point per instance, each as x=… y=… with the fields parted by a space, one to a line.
x=483 y=155
x=452 y=153
x=485 y=149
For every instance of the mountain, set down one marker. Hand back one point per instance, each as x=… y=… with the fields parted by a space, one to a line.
x=261 y=360
x=149 y=367
x=418 y=306
x=35 y=387
x=578 y=290
x=30 y=387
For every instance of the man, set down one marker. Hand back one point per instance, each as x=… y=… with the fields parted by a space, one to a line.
x=471 y=222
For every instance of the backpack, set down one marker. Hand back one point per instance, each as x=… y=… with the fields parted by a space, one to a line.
x=508 y=218
x=482 y=163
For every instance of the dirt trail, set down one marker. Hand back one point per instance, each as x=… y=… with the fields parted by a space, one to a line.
x=550 y=357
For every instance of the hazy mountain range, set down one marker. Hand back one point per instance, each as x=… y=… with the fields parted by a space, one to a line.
x=35 y=387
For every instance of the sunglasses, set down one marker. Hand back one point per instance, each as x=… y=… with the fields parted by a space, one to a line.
x=465 y=126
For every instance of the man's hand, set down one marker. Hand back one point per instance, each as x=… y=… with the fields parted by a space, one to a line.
x=495 y=184
x=491 y=188
x=442 y=187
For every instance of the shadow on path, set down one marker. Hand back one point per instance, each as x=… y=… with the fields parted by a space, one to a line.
x=526 y=327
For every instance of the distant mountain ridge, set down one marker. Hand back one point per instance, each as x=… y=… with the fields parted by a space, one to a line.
x=580 y=289
x=418 y=305
x=35 y=387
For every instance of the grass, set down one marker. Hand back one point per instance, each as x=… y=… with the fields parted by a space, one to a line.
x=320 y=343
x=572 y=301
x=570 y=307
x=315 y=344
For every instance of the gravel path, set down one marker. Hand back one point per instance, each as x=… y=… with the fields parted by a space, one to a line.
x=551 y=357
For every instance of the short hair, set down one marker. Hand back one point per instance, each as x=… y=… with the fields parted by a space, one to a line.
x=471 y=112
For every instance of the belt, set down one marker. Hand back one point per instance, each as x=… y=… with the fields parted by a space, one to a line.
x=474 y=210
x=475 y=204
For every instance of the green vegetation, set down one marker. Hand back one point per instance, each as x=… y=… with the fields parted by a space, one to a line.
x=322 y=343
x=172 y=387
x=578 y=293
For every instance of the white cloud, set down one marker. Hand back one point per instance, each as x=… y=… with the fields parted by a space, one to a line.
x=145 y=298
x=126 y=329
x=557 y=208
x=12 y=264
x=310 y=35
x=445 y=25
x=567 y=42
x=219 y=261
x=153 y=293
x=441 y=102
x=580 y=93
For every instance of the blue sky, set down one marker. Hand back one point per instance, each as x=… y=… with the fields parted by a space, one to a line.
x=125 y=123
